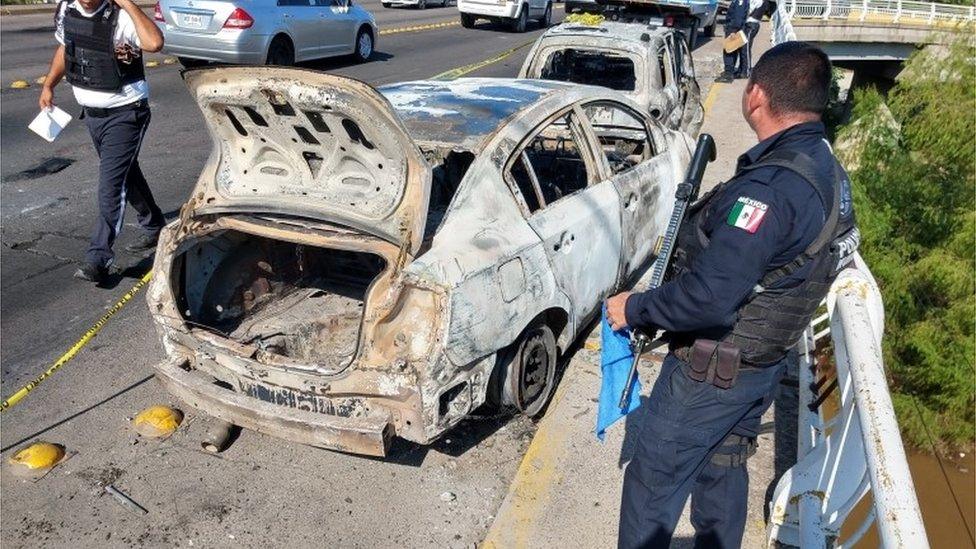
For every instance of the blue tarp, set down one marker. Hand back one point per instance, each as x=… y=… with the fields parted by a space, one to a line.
x=616 y=357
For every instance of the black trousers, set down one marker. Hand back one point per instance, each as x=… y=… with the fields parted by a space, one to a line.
x=739 y=62
x=117 y=137
x=685 y=424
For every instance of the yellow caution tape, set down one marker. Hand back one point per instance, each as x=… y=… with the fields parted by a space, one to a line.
x=151 y=64
x=13 y=399
x=19 y=84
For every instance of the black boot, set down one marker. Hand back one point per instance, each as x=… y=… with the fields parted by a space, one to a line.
x=91 y=273
x=725 y=78
x=143 y=243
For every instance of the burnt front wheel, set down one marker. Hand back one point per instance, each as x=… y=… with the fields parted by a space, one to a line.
x=525 y=373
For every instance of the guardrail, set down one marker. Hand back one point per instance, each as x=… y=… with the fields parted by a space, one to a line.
x=868 y=12
x=848 y=441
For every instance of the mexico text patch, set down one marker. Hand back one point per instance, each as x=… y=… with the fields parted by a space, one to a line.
x=747 y=214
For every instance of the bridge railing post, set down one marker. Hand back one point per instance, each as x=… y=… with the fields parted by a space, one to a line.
x=864 y=10
x=827 y=8
x=897 y=11
x=931 y=14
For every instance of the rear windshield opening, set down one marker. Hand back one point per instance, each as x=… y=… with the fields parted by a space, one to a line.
x=591 y=67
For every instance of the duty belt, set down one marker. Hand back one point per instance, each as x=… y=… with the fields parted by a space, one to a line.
x=98 y=112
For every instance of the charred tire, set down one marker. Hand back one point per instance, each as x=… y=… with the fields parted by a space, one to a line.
x=281 y=52
x=364 y=45
x=546 y=20
x=467 y=20
x=387 y=4
x=521 y=21
x=525 y=373
x=189 y=62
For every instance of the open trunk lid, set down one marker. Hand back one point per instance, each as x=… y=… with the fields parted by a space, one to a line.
x=309 y=144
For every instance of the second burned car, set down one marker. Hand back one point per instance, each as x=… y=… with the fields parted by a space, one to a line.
x=356 y=263
x=650 y=64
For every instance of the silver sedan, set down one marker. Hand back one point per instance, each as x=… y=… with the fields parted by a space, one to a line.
x=257 y=32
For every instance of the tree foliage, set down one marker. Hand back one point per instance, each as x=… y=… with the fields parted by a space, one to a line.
x=915 y=187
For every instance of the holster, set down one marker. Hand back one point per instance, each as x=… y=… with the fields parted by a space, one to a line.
x=714 y=362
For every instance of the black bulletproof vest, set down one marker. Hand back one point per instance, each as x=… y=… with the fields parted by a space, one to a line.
x=89 y=51
x=772 y=319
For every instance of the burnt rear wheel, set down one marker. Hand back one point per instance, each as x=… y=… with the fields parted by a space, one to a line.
x=525 y=372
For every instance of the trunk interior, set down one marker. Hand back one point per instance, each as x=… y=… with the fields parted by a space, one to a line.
x=301 y=302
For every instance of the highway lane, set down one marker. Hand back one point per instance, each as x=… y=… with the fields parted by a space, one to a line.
x=261 y=490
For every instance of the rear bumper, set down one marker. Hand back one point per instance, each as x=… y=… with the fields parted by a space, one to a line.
x=227 y=46
x=359 y=435
x=507 y=10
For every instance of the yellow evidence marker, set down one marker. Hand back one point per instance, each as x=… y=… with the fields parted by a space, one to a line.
x=36 y=460
x=157 y=421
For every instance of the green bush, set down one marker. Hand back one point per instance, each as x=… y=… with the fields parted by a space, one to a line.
x=914 y=190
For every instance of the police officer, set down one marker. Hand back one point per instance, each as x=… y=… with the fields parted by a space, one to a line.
x=757 y=10
x=735 y=21
x=754 y=259
x=100 y=54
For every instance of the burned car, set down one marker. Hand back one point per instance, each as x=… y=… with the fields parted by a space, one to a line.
x=650 y=64
x=356 y=263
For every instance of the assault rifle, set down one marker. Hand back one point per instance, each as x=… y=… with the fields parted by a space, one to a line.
x=684 y=195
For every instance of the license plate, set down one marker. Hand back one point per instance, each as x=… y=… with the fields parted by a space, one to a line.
x=192 y=21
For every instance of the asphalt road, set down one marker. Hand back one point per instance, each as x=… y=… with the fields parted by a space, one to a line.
x=261 y=491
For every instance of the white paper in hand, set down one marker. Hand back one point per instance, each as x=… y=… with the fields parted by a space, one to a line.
x=49 y=123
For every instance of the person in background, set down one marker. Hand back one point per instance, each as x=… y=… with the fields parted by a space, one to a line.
x=100 y=54
x=757 y=10
x=735 y=21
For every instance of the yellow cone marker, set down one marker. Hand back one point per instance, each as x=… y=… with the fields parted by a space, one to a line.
x=19 y=84
x=169 y=61
x=152 y=63
x=36 y=460
x=157 y=421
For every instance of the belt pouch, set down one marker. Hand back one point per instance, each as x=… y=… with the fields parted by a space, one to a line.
x=726 y=365
x=701 y=359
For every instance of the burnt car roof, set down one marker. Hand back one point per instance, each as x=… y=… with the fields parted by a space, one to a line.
x=462 y=113
x=611 y=30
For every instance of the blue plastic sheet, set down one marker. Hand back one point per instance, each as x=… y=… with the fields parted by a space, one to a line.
x=616 y=357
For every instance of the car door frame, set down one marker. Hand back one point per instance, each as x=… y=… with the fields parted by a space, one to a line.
x=692 y=109
x=340 y=18
x=670 y=87
x=554 y=217
x=640 y=191
x=300 y=21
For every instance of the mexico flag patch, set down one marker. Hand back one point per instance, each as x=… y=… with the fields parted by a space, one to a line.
x=747 y=214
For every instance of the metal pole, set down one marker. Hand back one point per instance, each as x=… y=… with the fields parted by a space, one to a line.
x=900 y=520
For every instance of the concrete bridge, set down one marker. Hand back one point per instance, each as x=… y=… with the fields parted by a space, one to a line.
x=870 y=36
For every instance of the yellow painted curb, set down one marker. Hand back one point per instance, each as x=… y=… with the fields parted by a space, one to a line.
x=465 y=69
x=712 y=96
x=19 y=84
x=530 y=488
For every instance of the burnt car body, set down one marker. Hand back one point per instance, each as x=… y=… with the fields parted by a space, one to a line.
x=356 y=264
x=650 y=64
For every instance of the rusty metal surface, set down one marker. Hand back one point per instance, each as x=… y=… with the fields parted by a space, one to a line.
x=431 y=323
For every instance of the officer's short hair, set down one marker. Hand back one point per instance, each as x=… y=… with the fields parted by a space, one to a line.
x=795 y=76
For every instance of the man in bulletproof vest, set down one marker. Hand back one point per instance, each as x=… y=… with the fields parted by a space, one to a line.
x=754 y=259
x=100 y=54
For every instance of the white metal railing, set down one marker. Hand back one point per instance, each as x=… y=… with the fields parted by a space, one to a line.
x=874 y=12
x=855 y=449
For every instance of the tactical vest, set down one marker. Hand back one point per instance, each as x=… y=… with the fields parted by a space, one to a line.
x=89 y=51
x=772 y=319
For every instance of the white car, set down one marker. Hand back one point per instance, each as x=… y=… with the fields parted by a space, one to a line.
x=356 y=264
x=513 y=13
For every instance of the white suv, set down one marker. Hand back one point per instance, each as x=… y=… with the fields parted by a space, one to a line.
x=514 y=13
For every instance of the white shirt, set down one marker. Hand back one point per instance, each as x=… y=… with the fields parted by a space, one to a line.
x=753 y=5
x=125 y=35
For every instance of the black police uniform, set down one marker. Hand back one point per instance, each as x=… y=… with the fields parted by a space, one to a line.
x=735 y=21
x=755 y=258
x=93 y=62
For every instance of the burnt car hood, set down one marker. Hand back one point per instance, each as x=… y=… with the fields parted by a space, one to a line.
x=308 y=144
